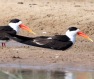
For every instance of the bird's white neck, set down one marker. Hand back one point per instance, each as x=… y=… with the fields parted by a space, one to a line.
x=71 y=35
x=15 y=26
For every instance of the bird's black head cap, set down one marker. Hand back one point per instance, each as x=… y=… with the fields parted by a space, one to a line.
x=15 y=20
x=72 y=28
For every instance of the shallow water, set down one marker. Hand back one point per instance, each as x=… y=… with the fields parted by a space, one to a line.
x=60 y=75
x=44 y=74
x=14 y=71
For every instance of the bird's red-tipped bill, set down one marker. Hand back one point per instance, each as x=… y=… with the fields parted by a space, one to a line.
x=26 y=28
x=85 y=36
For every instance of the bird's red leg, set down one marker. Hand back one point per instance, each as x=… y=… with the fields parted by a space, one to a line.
x=3 y=45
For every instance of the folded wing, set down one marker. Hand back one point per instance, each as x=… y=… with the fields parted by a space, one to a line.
x=44 y=42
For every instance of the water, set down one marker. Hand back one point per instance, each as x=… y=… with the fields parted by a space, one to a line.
x=43 y=74
x=14 y=71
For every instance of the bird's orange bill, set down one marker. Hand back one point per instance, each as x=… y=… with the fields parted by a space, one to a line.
x=26 y=28
x=85 y=36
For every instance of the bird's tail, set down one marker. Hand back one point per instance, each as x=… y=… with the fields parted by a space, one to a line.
x=21 y=39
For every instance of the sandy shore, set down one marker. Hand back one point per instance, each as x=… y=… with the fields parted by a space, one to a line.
x=53 y=17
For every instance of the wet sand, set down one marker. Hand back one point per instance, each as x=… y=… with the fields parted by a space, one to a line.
x=53 y=17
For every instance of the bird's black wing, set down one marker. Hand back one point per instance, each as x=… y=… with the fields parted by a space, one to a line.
x=7 y=29
x=51 y=43
x=19 y=38
x=43 y=42
x=62 y=38
x=4 y=36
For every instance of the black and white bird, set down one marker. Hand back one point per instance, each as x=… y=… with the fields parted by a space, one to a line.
x=11 y=28
x=57 y=42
